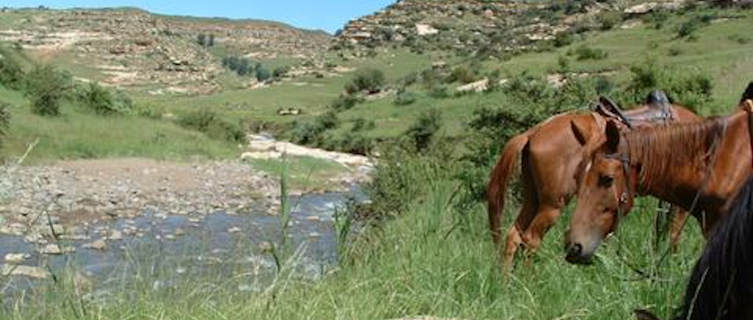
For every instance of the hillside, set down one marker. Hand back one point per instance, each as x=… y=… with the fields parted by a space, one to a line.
x=132 y=48
x=487 y=28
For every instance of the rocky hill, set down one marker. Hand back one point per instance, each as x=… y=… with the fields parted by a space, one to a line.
x=134 y=48
x=493 y=28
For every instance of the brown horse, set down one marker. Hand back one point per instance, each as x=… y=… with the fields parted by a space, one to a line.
x=720 y=283
x=550 y=155
x=697 y=166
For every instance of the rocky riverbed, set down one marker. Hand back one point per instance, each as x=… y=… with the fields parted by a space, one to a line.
x=92 y=211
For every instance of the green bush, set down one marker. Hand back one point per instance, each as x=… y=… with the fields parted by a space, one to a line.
x=148 y=111
x=208 y=122
x=563 y=38
x=422 y=132
x=361 y=124
x=241 y=66
x=369 y=80
x=400 y=177
x=609 y=19
x=11 y=73
x=356 y=144
x=586 y=53
x=345 y=102
x=656 y=18
x=405 y=98
x=46 y=87
x=280 y=72
x=439 y=92
x=461 y=74
x=689 y=28
x=102 y=101
x=689 y=89
x=262 y=74
x=4 y=119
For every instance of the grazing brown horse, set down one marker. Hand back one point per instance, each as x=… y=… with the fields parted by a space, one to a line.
x=721 y=284
x=697 y=166
x=550 y=154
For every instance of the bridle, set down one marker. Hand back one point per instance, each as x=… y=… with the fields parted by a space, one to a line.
x=626 y=197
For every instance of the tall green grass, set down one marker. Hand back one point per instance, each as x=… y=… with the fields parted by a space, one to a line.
x=434 y=261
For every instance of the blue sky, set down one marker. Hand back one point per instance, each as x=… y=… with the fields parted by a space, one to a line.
x=328 y=15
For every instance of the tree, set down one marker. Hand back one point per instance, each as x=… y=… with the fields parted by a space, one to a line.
x=210 y=43
x=262 y=74
x=46 y=86
x=423 y=130
x=202 y=39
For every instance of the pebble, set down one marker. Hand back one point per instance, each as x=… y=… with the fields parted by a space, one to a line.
x=97 y=245
x=16 y=258
x=26 y=271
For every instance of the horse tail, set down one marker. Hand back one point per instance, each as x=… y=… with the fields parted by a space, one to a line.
x=497 y=188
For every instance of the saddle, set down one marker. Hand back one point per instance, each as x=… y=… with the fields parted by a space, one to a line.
x=659 y=110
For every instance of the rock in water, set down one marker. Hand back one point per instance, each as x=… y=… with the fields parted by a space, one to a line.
x=16 y=258
x=97 y=245
x=25 y=271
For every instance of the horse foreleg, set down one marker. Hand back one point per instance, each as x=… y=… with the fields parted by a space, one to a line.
x=679 y=218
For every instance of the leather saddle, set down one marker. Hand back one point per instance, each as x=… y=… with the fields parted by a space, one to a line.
x=659 y=110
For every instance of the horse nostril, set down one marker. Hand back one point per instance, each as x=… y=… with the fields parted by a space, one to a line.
x=575 y=250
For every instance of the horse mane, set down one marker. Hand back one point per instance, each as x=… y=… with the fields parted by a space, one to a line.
x=658 y=150
x=721 y=284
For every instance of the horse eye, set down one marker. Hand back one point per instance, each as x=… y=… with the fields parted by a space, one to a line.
x=606 y=181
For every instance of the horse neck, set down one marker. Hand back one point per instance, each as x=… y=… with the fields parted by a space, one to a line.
x=664 y=154
x=721 y=278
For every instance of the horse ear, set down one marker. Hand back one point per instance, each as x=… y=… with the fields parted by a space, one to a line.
x=580 y=133
x=748 y=94
x=613 y=136
x=644 y=315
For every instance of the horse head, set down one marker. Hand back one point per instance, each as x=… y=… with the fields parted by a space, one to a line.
x=605 y=194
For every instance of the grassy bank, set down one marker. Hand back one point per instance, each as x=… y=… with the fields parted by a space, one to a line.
x=79 y=134
x=433 y=261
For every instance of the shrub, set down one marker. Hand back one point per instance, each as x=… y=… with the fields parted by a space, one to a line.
x=461 y=74
x=328 y=120
x=370 y=80
x=586 y=53
x=4 y=119
x=208 y=122
x=102 y=101
x=46 y=87
x=241 y=66
x=609 y=19
x=11 y=74
x=280 y=72
x=399 y=177
x=563 y=38
x=690 y=89
x=361 y=124
x=405 y=98
x=439 y=92
x=356 y=144
x=656 y=18
x=262 y=74
x=674 y=51
x=423 y=130
x=306 y=133
x=345 y=102
x=688 y=28
x=148 y=111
